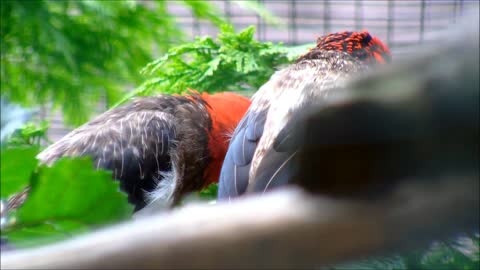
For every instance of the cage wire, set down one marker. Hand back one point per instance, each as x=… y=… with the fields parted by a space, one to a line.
x=401 y=24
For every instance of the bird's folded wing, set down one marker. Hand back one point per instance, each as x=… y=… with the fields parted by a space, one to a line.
x=236 y=166
x=134 y=144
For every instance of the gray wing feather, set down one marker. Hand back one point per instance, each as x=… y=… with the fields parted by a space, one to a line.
x=135 y=145
x=236 y=166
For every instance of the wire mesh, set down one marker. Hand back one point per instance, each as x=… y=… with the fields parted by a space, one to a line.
x=399 y=23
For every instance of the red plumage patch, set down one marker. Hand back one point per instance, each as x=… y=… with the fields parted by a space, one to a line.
x=360 y=45
x=226 y=110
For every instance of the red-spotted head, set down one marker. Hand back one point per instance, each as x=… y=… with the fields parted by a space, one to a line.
x=360 y=45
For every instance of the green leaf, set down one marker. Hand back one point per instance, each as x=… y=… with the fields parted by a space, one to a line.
x=247 y=34
x=210 y=192
x=68 y=198
x=45 y=233
x=17 y=166
x=73 y=189
x=29 y=134
x=212 y=67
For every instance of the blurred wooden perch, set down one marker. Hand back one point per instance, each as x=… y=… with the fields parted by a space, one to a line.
x=283 y=229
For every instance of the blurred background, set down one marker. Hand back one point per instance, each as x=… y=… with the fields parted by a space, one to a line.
x=399 y=23
x=62 y=46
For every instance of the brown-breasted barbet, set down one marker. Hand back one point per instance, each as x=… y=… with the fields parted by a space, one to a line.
x=257 y=160
x=159 y=148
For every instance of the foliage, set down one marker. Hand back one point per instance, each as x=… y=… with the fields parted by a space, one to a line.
x=208 y=195
x=18 y=129
x=210 y=192
x=232 y=62
x=461 y=253
x=29 y=134
x=456 y=253
x=12 y=118
x=72 y=53
x=65 y=199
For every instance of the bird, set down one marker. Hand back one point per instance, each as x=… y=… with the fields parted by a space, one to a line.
x=159 y=147
x=255 y=161
x=414 y=123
